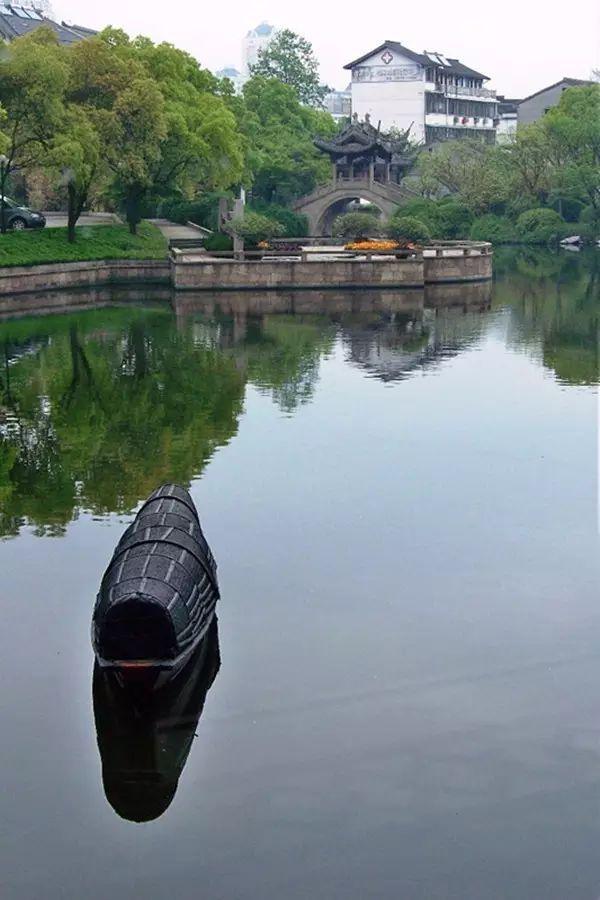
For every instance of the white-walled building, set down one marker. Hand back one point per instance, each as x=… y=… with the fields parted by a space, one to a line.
x=436 y=97
x=508 y=115
x=255 y=41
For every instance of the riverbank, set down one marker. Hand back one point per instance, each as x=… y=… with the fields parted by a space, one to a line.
x=93 y=243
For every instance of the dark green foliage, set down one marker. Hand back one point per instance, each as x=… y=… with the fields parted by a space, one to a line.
x=408 y=228
x=356 y=226
x=540 y=226
x=294 y=224
x=290 y=59
x=219 y=242
x=282 y=160
x=590 y=216
x=255 y=227
x=446 y=219
x=497 y=229
x=567 y=207
x=203 y=210
x=93 y=242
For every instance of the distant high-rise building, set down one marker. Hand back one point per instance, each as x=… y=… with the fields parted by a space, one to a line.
x=234 y=75
x=255 y=41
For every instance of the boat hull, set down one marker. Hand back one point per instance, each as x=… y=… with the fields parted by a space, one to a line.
x=158 y=596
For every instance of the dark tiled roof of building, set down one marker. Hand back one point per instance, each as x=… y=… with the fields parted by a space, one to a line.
x=455 y=66
x=507 y=105
x=568 y=82
x=13 y=26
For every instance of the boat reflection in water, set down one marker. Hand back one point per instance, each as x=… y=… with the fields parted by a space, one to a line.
x=145 y=736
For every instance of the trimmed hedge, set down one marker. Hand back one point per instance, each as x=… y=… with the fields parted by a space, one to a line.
x=408 y=228
x=356 y=226
x=447 y=219
x=541 y=226
x=294 y=224
x=497 y=229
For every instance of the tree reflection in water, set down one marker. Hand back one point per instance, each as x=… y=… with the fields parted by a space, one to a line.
x=99 y=407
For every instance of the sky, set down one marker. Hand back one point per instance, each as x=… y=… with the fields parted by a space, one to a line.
x=523 y=45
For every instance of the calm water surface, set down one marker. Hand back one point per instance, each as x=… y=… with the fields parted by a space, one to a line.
x=402 y=501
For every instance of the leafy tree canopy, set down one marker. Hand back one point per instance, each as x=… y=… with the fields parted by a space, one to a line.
x=291 y=60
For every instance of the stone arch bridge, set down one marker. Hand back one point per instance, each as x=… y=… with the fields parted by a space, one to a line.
x=329 y=200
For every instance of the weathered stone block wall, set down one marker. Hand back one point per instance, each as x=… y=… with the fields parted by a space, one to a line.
x=63 y=276
x=238 y=276
x=440 y=269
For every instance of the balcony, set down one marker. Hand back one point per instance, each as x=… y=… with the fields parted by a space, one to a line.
x=441 y=120
x=455 y=90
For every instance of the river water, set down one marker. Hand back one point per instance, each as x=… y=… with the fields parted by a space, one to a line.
x=401 y=494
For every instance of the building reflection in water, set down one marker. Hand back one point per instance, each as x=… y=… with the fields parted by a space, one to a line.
x=145 y=737
x=389 y=333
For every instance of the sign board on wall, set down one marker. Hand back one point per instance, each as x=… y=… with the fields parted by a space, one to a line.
x=395 y=73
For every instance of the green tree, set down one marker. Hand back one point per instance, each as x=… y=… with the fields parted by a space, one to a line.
x=573 y=135
x=474 y=171
x=77 y=155
x=126 y=107
x=531 y=171
x=291 y=60
x=33 y=78
x=279 y=132
x=203 y=148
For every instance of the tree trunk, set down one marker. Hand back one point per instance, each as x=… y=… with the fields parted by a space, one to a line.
x=72 y=213
x=133 y=200
x=3 y=176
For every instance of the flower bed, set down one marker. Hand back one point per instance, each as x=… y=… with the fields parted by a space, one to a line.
x=380 y=245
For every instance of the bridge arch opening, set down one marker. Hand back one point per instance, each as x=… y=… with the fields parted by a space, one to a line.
x=339 y=207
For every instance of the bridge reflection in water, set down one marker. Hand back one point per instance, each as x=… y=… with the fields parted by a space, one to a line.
x=388 y=333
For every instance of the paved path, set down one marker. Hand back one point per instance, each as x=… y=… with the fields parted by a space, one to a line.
x=172 y=230
x=59 y=220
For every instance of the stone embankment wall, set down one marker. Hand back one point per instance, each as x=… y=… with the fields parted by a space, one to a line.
x=443 y=264
x=448 y=269
x=62 y=276
x=198 y=273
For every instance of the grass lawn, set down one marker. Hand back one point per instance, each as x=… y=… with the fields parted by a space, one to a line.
x=49 y=245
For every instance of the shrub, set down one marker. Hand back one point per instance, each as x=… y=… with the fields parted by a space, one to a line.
x=255 y=227
x=408 y=228
x=497 y=229
x=294 y=225
x=219 y=241
x=590 y=217
x=356 y=226
x=452 y=220
x=203 y=210
x=540 y=226
x=446 y=219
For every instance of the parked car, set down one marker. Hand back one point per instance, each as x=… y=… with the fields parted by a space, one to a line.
x=18 y=218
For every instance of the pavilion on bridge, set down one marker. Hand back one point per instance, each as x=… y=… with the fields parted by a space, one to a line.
x=360 y=152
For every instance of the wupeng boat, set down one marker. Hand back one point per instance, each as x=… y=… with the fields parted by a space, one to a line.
x=158 y=596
